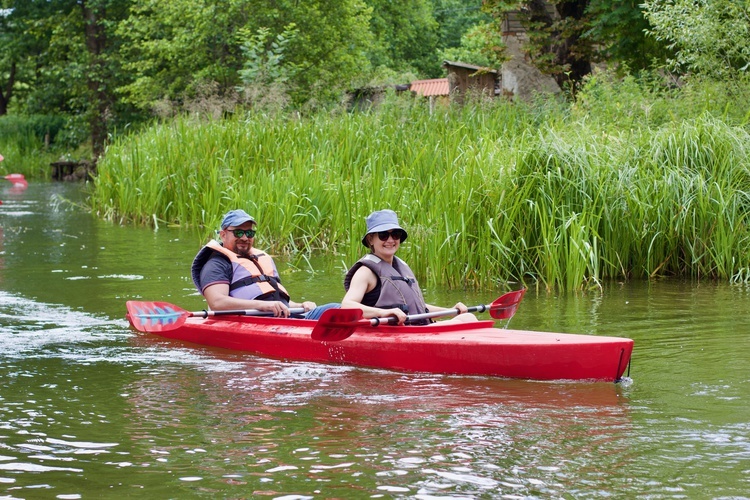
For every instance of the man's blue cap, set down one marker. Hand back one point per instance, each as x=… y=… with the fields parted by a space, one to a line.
x=235 y=218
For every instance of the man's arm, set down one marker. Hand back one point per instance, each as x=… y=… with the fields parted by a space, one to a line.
x=214 y=280
x=218 y=299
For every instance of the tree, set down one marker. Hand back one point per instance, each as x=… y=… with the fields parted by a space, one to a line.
x=176 y=48
x=478 y=46
x=467 y=33
x=8 y=63
x=709 y=37
x=61 y=59
x=23 y=37
x=95 y=38
x=566 y=36
x=330 y=49
x=266 y=72
x=406 y=37
x=456 y=18
x=618 y=30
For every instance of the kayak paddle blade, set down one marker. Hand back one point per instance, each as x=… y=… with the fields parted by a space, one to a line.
x=505 y=306
x=336 y=324
x=155 y=316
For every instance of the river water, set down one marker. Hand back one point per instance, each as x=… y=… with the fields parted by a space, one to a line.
x=92 y=409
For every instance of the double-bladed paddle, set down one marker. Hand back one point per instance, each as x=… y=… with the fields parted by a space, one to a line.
x=163 y=316
x=339 y=324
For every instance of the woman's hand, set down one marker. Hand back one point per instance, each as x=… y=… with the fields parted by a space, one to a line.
x=397 y=313
x=461 y=308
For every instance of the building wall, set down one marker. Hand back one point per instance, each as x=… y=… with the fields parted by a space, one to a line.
x=521 y=79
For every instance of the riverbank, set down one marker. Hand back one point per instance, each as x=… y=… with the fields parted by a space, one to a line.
x=624 y=183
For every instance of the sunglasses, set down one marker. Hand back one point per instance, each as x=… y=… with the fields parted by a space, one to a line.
x=397 y=234
x=250 y=233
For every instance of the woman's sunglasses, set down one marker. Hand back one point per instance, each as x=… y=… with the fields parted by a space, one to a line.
x=250 y=233
x=397 y=234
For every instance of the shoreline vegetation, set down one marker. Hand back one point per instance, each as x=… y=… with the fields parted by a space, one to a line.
x=629 y=180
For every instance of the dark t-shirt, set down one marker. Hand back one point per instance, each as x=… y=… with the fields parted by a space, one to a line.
x=217 y=270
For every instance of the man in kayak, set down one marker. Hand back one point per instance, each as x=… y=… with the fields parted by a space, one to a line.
x=381 y=284
x=235 y=275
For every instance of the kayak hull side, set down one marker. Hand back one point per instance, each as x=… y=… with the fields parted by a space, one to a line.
x=475 y=348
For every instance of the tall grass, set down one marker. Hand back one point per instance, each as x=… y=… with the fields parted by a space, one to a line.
x=30 y=143
x=556 y=195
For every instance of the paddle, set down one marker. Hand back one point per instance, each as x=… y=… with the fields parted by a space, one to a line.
x=163 y=316
x=339 y=324
x=18 y=180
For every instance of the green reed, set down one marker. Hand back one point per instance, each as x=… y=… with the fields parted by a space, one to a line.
x=546 y=193
x=23 y=147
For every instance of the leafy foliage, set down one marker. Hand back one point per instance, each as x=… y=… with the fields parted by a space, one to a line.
x=173 y=48
x=266 y=73
x=455 y=18
x=266 y=65
x=405 y=36
x=108 y=64
x=481 y=46
x=709 y=37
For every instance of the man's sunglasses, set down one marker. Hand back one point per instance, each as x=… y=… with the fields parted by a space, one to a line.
x=397 y=234
x=250 y=233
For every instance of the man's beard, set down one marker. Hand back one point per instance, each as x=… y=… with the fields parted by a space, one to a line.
x=244 y=253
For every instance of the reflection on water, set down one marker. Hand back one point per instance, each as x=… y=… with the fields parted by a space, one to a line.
x=90 y=408
x=337 y=425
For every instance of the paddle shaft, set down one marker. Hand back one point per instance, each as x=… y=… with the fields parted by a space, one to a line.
x=242 y=312
x=417 y=317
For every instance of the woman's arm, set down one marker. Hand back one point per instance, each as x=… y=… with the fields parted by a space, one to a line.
x=363 y=281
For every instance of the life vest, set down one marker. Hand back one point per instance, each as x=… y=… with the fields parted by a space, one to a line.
x=253 y=278
x=397 y=287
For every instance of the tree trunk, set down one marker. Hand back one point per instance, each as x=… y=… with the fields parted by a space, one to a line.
x=95 y=44
x=569 y=62
x=567 y=49
x=7 y=92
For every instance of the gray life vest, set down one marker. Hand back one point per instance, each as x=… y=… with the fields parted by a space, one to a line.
x=396 y=288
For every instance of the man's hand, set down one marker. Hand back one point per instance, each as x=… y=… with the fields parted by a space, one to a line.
x=308 y=305
x=279 y=309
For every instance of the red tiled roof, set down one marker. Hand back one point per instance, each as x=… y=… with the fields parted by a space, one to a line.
x=436 y=86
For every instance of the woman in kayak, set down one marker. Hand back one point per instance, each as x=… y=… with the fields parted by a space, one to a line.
x=381 y=284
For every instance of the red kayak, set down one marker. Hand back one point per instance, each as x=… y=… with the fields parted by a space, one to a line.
x=476 y=348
